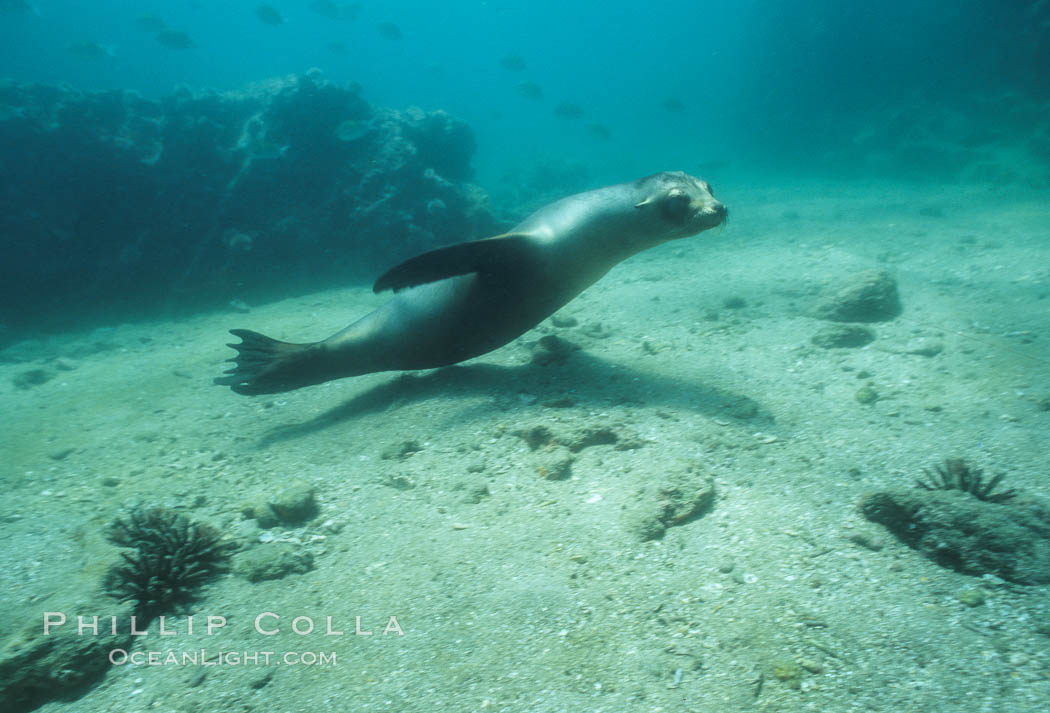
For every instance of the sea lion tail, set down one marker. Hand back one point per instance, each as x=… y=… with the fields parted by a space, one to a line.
x=268 y=366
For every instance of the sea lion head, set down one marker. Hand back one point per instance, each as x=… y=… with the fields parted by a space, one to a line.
x=680 y=204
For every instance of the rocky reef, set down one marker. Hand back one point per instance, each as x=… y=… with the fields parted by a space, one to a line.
x=115 y=204
x=38 y=667
x=959 y=530
x=1000 y=139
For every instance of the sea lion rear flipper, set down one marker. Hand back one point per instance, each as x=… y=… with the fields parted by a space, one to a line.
x=268 y=366
x=495 y=254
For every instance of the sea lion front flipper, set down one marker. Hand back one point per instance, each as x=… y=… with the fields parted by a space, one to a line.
x=496 y=254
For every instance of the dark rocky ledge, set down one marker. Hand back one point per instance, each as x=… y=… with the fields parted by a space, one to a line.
x=114 y=206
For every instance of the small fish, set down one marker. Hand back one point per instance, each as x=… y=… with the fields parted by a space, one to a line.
x=389 y=30
x=91 y=51
x=150 y=23
x=337 y=46
x=269 y=15
x=17 y=6
x=175 y=39
x=256 y=144
x=568 y=110
x=673 y=105
x=266 y=149
x=352 y=129
x=512 y=63
x=341 y=12
x=599 y=131
x=712 y=166
x=531 y=90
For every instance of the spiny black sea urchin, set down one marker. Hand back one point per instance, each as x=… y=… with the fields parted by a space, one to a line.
x=172 y=556
x=957 y=474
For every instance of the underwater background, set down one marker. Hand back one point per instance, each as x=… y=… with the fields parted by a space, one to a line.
x=752 y=81
x=795 y=463
x=553 y=100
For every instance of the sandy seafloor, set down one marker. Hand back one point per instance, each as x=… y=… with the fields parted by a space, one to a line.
x=541 y=596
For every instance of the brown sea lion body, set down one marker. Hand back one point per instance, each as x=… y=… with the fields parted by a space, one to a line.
x=461 y=301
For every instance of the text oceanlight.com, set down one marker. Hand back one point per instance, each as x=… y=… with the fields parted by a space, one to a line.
x=203 y=657
x=266 y=624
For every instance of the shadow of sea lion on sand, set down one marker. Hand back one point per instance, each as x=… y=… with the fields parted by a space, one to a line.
x=583 y=381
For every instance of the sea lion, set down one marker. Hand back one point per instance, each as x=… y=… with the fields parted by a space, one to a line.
x=464 y=300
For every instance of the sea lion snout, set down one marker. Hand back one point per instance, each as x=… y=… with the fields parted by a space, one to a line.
x=706 y=205
x=703 y=210
x=715 y=208
x=710 y=214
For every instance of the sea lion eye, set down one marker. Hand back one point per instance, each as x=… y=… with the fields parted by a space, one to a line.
x=676 y=206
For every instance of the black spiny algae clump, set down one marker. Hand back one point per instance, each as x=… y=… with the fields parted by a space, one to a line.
x=172 y=557
x=957 y=474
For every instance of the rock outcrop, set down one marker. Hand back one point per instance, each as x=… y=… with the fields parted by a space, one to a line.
x=114 y=204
